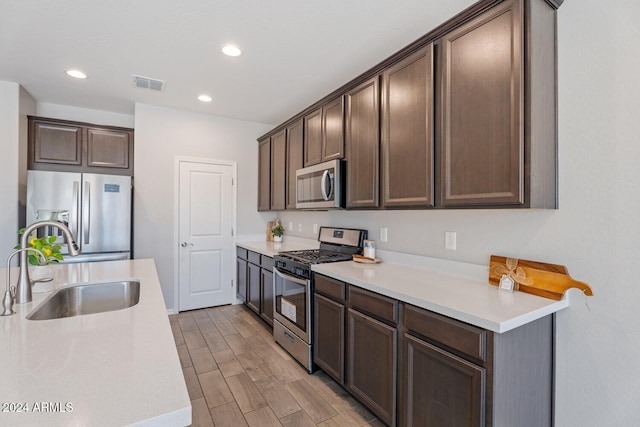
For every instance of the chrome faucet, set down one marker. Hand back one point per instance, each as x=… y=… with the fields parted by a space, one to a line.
x=10 y=293
x=23 y=291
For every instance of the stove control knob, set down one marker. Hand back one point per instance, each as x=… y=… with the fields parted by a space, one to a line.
x=300 y=271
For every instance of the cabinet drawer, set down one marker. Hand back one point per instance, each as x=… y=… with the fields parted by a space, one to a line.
x=254 y=257
x=329 y=287
x=241 y=253
x=378 y=306
x=452 y=333
x=267 y=263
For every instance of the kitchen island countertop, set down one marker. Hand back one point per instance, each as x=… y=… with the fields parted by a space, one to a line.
x=113 y=368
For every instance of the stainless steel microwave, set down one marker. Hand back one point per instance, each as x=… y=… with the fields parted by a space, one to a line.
x=320 y=186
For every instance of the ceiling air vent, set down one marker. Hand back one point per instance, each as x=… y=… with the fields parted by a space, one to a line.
x=148 y=83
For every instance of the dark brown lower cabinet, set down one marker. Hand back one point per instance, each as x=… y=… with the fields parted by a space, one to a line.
x=441 y=389
x=266 y=296
x=253 y=287
x=255 y=282
x=241 y=274
x=371 y=364
x=450 y=373
x=328 y=345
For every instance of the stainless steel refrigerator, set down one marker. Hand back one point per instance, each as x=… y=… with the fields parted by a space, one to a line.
x=97 y=209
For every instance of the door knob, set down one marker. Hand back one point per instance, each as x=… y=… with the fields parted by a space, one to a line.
x=185 y=244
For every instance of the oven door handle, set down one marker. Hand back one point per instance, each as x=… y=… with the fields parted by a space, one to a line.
x=303 y=282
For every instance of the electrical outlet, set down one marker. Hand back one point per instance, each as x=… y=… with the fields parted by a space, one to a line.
x=315 y=228
x=290 y=226
x=450 y=240
x=383 y=234
x=299 y=228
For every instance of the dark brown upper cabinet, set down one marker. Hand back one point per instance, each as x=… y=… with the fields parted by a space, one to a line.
x=407 y=131
x=264 y=174
x=278 y=171
x=56 y=143
x=468 y=116
x=65 y=146
x=333 y=130
x=497 y=119
x=313 y=138
x=294 y=159
x=108 y=148
x=362 y=140
x=324 y=133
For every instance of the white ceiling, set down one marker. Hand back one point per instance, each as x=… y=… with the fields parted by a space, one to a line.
x=295 y=51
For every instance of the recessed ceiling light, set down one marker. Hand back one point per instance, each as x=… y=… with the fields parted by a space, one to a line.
x=205 y=98
x=76 y=74
x=231 y=50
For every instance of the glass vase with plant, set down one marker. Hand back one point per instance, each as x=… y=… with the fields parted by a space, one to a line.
x=46 y=245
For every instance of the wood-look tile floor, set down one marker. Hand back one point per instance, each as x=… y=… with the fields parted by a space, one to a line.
x=237 y=375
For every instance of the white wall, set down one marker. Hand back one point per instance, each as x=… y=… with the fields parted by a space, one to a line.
x=596 y=231
x=162 y=134
x=9 y=139
x=87 y=115
x=28 y=106
x=15 y=104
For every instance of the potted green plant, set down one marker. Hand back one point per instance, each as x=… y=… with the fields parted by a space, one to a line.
x=277 y=231
x=46 y=245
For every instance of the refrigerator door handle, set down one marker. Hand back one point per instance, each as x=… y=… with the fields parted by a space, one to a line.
x=73 y=215
x=86 y=212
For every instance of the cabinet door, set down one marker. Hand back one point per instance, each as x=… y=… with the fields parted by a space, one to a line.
x=294 y=159
x=371 y=365
x=56 y=143
x=278 y=171
x=253 y=287
x=313 y=138
x=440 y=389
x=328 y=337
x=481 y=101
x=108 y=148
x=333 y=130
x=407 y=131
x=363 y=145
x=241 y=279
x=264 y=174
x=266 y=298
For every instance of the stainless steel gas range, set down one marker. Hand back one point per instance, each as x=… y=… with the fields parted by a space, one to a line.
x=293 y=288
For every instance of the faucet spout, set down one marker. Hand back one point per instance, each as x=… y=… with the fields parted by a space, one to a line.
x=23 y=291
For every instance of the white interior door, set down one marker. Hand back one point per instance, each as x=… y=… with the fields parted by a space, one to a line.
x=205 y=235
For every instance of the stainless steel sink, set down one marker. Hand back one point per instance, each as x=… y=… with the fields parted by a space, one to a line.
x=88 y=298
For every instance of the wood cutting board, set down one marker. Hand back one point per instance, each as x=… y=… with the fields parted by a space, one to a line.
x=548 y=280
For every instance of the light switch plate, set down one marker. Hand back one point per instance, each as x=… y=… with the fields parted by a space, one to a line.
x=383 y=234
x=299 y=228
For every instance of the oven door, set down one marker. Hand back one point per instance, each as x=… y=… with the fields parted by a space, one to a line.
x=293 y=303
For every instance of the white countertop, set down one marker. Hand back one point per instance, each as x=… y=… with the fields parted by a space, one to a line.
x=454 y=289
x=471 y=300
x=289 y=243
x=114 y=368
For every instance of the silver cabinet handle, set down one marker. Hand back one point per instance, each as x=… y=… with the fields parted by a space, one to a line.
x=185 y=244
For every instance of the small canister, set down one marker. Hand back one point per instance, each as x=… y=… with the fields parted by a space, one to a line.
x=369 y=248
